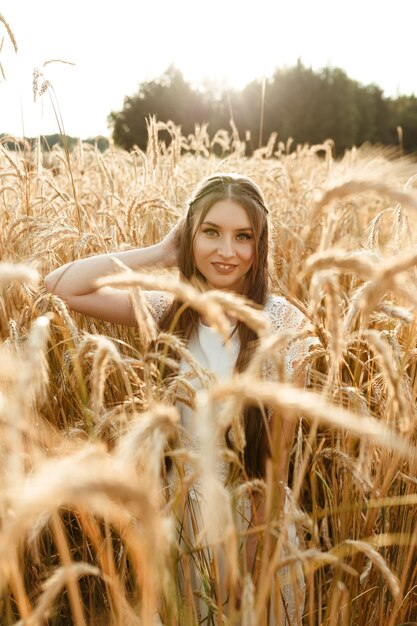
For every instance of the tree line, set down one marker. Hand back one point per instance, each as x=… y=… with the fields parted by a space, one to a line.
x=299 y=103
x=49 y=141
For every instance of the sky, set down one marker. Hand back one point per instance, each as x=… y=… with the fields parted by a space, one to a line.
x=111 y=47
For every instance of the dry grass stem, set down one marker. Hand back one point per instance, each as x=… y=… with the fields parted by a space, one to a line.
x=11 y=272
x=313 y=406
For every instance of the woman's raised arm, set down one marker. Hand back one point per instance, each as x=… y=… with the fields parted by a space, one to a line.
x=75 y=282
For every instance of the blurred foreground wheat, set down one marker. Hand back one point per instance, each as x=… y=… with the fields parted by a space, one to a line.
x=88 y=534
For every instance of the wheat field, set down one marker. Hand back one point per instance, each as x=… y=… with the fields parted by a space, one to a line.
x=88 y=535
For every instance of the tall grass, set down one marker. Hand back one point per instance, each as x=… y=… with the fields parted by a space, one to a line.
x=89 y=530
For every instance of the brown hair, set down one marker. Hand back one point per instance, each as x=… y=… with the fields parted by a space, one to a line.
x=244 y=191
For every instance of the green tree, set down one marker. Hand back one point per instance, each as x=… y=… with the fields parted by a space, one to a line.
x=170 y=97
x=404 y=114
x=309 y=106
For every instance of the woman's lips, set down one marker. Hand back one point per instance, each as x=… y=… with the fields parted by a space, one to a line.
x=224 y=268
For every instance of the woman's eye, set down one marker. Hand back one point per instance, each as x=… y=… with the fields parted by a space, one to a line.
x=211 y=232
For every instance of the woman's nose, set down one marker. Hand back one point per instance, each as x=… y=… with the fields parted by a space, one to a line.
x=225 y=248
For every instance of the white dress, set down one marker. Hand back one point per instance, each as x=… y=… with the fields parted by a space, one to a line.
x=208 y=349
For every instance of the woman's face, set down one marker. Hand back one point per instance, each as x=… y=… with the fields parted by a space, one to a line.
x=224 y=246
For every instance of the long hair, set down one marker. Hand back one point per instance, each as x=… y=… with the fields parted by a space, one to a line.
x=244 y=191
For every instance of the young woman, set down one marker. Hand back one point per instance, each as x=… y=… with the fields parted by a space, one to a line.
x=223 y=243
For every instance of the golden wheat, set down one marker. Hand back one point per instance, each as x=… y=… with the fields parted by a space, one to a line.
x=87 y=421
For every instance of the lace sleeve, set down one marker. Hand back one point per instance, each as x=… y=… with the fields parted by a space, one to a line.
x=159 y=302
x=287 y=322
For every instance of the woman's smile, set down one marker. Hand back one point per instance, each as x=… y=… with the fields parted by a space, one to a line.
x=222 y=267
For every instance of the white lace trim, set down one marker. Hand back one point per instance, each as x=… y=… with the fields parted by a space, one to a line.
x=286 y=321
x=159 y=302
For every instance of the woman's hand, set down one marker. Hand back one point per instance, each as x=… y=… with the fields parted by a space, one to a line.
x=171 y=244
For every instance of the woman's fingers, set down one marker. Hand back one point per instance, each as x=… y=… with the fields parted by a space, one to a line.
x=172 y=241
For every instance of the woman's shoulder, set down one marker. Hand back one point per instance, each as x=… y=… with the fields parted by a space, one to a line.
x=283 y=314
x=159 y=301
